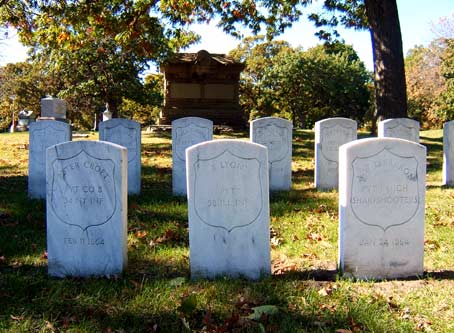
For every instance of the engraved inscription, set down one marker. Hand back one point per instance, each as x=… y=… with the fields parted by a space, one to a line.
x=124 y=136
x=42 y=139
x=384 y=189
x=275 y=138
x=404 y=132
x=83 y=192
x=188 y=136
x=385 y=242
x=332 y=137
x=230 y=204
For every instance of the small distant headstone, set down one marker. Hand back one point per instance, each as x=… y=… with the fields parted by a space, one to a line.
x=276 y=135
x=403 y=128
x=330 y=134
x=381 y=208
x=106 y=115
x=126 y=133
x=228 y=207
x=53 y=108
x=86 y=209
x=448 y=153
x=43 y=134
x=186 y=132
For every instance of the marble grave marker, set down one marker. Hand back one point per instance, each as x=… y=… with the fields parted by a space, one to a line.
x=276 y=135
x=381 y=208
x=403 y=128
x=186 y=132
x=53 y=108
x=448 y=153
x=42 y=135
x=330 y=134
x=126 y=133
x=86 y=209
x=228 y=206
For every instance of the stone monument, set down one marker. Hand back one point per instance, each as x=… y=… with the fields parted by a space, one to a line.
x=228 y=206
x=43 y=134
x=330 y=134
x=126 y=133
x=86 y=209
x=186 y=132
x=403 y=128
x=382 y=184
x=276 y=135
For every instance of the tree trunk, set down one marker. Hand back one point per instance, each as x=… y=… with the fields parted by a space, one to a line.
x=390 y=86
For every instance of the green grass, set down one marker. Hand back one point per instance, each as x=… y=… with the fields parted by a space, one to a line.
x=155 y=294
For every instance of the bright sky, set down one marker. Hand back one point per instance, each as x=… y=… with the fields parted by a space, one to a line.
x=416 y=19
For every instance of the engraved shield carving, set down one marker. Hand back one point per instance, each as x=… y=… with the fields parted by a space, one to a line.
x=83 y=192
x=276 y=139
x=126 y=137
x=228 y=192
x=384 y=189
x=188 y=136
x=331 y=138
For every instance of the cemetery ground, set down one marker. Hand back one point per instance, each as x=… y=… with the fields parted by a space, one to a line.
x=155 y=293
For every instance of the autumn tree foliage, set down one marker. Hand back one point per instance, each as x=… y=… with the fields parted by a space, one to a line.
x=100 y=46
x=304 y=86
x=430 y=77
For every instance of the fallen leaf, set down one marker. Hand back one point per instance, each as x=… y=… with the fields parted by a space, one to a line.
x=141 y=233
x=259 y=311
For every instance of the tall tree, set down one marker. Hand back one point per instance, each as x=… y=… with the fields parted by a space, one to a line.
x=143 y=27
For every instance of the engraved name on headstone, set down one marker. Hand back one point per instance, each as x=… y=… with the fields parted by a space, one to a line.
x=126 y=133
x=43 y=134
x=330 y=134
x=186 y=132
x=86 y=209
x=276 y=135
x=381 y=208
x=403 y=128
x=228 y=205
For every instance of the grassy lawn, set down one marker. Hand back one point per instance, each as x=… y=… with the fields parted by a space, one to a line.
x=155 y=294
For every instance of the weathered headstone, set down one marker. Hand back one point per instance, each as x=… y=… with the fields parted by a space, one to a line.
x=86 y=209
x=228 y=206
x=381 y=208
x=53 y=108
x=403 y=128
x=276 y=135
x=448 y=153
x=330 y=134
x=43 y=134
x=126 y=133
x=186 y=132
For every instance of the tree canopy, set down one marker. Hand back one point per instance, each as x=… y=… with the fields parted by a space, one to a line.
x=100 y=46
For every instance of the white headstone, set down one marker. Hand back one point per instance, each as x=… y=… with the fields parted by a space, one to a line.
x=186 y=132
x=448 y=153
x=53 y=107
x=403 y=128
x=330 y=134
x=228 y=206
x=381 y=208
x=86 y=209
x=106 y=115
x=126 y=133
x=43 y=134
x=276 y=135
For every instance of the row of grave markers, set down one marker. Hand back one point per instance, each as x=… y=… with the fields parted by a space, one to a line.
x=381 y=204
